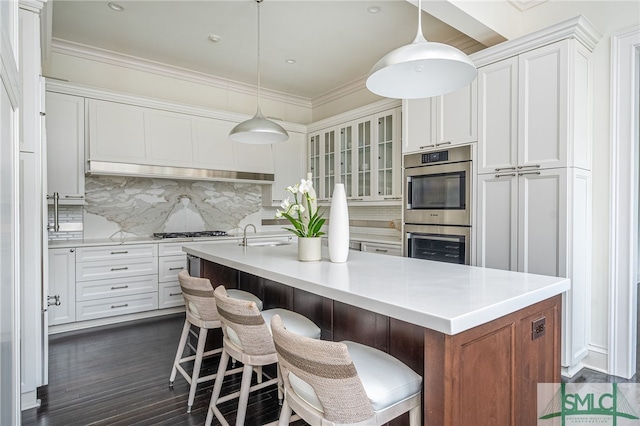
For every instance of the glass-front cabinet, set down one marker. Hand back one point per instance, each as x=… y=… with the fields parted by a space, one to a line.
x=363 y=154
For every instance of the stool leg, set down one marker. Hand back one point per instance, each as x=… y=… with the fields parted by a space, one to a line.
x=217 y=387
x=280 y=385
x=245 y=386
x=181 y=345
x=415 y=416
x=285 y=414
x=202 y=339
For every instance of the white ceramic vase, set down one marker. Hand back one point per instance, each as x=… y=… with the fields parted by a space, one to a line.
x=339 y=225
x=309 y=249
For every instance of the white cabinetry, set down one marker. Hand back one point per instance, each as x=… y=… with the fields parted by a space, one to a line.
x=62 y=286
x=65 y=147
x=381 y=248
x=289 y=160
x=363 y=153
x=171 y=260
x=446 y=120
x=534 y=184
x=116 y=280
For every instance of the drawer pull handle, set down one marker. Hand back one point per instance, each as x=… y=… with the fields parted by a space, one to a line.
x=119 y=287
x=177 y=268
x=504 y=174
x=124 y=268
x=528 y=173
x=120 y=252
x=426 y=146
x=175 y=294
x=499 y=169
x=119 y=306
x=381 y=250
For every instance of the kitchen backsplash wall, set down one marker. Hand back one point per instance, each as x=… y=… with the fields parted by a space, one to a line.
x=118 y=207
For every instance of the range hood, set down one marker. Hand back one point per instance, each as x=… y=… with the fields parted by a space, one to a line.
x=102 y=168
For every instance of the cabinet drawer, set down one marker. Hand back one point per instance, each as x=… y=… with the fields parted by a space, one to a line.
x=98 y=270
x=171 y=249
x=113 y=306
x=87 y=254
x=389 y=249
x=169 y=295
x=169 y=267
x=100 y=289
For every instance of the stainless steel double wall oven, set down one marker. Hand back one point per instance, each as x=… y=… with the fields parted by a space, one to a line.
x=437 y=205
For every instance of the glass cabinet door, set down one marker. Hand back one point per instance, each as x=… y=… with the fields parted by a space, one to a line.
x=364 y=158
x=314 y=161
x=329 y=164
x=346 y=158
x=385 y=155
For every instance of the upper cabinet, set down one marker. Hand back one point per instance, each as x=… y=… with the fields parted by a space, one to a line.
x=529 y=106
x=65 y=147
x=362 y=153
x=133 y=134
x=446 y=120
x=289 y=161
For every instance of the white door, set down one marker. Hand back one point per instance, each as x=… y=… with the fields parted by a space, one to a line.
x=457 y=116
x=62 y=286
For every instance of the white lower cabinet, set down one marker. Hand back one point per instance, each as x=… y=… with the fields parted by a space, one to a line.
x=539 y=222
x=62 y=283
x=171 y=261
x=380 y=248
x=124 y=280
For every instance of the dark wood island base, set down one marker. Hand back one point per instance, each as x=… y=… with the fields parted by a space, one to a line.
x=487 y=375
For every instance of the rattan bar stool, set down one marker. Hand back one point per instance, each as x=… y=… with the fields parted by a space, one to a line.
x=247 y=338
x=200 y=312
x=336 y=383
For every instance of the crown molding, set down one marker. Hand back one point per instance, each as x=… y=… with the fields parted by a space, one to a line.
x=578 y=28
x=32 y=5
x=65 y=47
x=340 y=92
x=523 y=5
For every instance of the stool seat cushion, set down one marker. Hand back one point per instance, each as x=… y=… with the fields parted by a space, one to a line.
x=245 y=295
x=385 y=379
x=293 y=321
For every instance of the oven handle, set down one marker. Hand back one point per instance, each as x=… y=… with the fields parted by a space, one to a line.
x=437 y=238
x=409 y=193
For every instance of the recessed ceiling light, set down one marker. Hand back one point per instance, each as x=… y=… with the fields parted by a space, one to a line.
x=214 y=38
x=290 y=61
x=373 y=9
x=115 y=6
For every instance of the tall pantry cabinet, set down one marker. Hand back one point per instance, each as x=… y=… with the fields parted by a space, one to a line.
x=534 y=161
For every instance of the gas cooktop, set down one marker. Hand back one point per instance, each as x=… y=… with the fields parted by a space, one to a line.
x=196 y=234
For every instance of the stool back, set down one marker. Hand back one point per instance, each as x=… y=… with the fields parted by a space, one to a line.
x=243 y=325
x=326 y=367
x=198 y=297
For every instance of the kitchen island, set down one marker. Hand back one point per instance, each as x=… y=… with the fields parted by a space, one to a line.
x=481 y=338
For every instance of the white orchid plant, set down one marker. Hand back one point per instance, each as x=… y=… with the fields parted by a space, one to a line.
x=304 y=216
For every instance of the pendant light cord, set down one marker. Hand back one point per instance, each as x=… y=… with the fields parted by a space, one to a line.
x=420 y=36
x=258 y=65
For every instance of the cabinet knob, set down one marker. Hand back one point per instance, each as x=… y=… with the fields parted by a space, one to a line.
x=72 y=250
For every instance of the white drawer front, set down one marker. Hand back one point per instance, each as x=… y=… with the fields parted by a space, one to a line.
x=113 y=306
x=169 y=267
x=169 y=295
x=170 y=249
x=116 y=268
x=100 y=289
x=391 y=250
x=88 y=254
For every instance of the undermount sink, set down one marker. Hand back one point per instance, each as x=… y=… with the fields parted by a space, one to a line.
x=267 y=243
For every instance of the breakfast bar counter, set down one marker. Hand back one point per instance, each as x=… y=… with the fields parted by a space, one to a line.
x=481 y=338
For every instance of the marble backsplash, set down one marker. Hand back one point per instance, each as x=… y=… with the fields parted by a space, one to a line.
x=138 y=207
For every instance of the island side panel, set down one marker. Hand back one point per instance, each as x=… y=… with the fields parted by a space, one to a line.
x=488 y=375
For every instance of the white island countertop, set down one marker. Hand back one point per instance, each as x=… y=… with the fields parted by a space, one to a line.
x=440 y=296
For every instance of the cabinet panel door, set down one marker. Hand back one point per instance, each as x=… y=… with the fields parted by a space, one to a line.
x=314 y=161
x=497 y=222
x=116 y=132
x=387 y=151
x=329 y=155
x=542 y=123
x=289 y=166
x=457 y=114
x=169 y=137
x=65 y=147
x=498 y=116
x=418 y=124
x=347 y=160
x=212 y=147
x=542 y=213
x=364 y=144
x=62 y=283
x=254 y=158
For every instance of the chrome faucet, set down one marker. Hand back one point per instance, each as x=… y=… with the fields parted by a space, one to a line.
x=244 y=233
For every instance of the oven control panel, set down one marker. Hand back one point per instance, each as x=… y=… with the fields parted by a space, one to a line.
x=435 y=157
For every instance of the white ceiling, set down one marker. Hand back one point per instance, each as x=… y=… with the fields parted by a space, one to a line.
x=333 y=42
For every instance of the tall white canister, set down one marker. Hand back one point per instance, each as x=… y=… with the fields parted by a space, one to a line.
x=339 y=225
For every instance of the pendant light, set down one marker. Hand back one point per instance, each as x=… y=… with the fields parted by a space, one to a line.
x=258 y=130
x=421 y=69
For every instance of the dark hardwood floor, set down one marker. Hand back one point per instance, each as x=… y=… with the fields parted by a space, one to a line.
x=119 y=375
